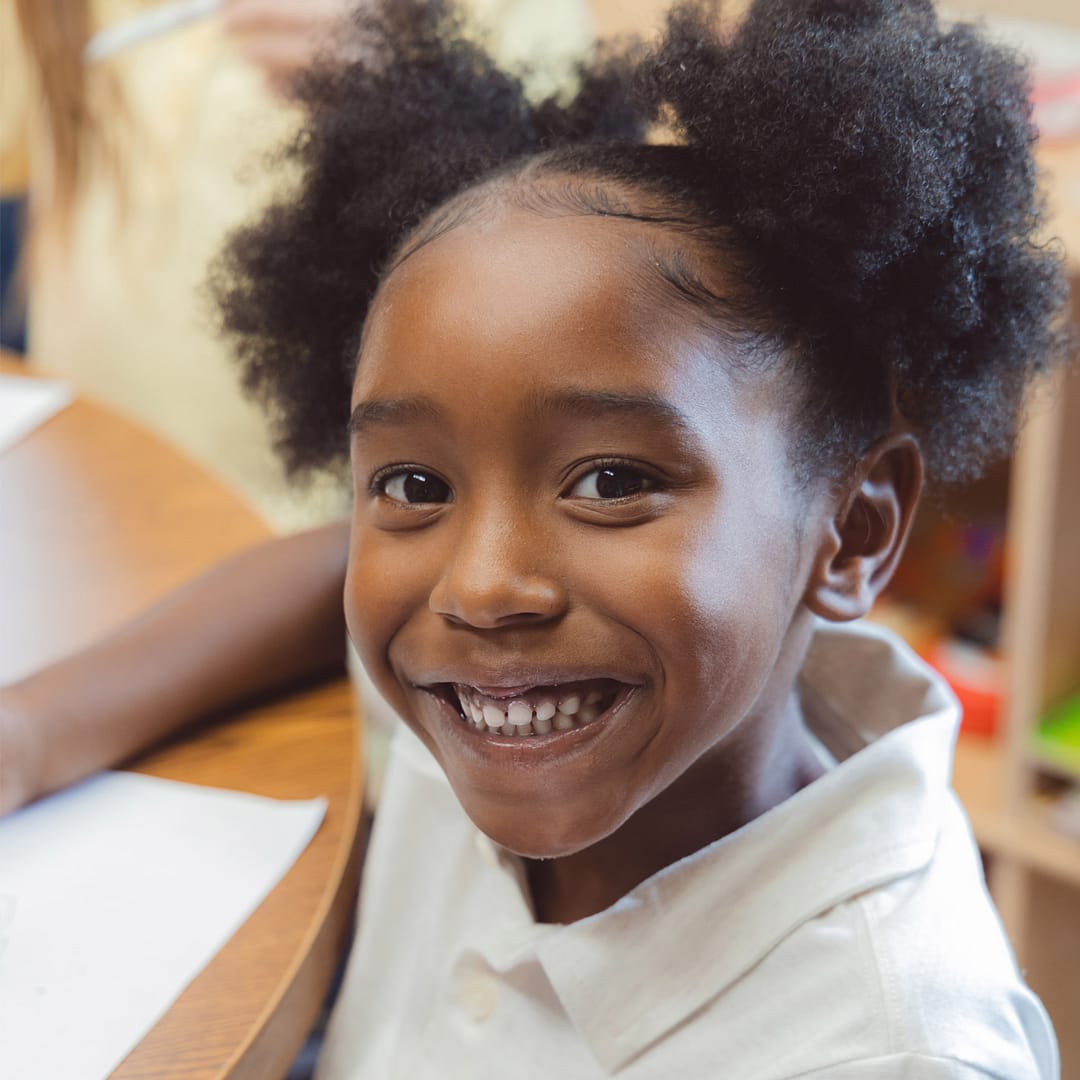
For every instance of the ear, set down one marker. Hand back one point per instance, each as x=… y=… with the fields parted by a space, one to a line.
x=865 y=539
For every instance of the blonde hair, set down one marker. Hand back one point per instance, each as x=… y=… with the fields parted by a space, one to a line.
x=55 y=33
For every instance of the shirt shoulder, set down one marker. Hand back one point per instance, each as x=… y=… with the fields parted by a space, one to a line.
x=902 y=1067
x=947 y=984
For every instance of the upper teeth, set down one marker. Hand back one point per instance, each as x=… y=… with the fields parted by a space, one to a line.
x=536 y=716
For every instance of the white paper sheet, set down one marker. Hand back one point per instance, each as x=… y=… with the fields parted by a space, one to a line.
x=26 y=403
x=113 y=896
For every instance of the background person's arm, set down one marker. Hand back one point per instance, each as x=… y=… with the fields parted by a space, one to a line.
x=256 y=622
x=282 y=37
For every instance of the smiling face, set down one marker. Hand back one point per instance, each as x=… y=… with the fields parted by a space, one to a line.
x=576 y=561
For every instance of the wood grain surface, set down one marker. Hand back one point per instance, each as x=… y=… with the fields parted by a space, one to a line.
x=98 y=518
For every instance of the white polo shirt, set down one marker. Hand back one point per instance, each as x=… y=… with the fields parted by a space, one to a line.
x=845 y=934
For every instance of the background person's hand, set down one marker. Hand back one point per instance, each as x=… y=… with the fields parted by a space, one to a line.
x=282 y=37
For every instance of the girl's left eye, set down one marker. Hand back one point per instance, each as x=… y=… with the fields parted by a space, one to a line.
x=612 y=482
x=414 y=486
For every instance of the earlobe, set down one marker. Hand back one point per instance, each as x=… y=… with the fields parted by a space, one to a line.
x=865 y=538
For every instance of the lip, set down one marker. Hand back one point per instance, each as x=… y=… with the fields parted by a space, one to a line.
x=503 y=679
x=500 y=693
x=506 y=682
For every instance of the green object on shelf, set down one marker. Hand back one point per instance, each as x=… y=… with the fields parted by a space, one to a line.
x=1057 y=738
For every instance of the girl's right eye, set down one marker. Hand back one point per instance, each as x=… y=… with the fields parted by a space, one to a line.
x=413 y=486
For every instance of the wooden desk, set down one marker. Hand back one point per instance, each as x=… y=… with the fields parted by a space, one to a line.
x=97 y=519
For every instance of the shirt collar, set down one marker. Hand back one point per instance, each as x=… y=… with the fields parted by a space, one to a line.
x=625 y=979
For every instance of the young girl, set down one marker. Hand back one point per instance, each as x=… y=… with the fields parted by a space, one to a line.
x=636 y=424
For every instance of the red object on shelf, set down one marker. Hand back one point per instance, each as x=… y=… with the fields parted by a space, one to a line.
x=976 y=677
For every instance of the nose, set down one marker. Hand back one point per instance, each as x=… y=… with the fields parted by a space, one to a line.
x=495 y=576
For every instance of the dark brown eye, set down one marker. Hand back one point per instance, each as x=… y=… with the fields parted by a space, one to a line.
x=415 y=486
x=611 y=482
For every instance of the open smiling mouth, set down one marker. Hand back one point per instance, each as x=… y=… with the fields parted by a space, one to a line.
x=538 y=710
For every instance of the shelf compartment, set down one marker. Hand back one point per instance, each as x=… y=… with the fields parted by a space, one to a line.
x=1022 y=834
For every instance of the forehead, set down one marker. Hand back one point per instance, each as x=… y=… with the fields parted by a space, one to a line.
x=542 y=297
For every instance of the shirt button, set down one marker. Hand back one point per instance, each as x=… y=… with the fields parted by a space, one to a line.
x=478 y=995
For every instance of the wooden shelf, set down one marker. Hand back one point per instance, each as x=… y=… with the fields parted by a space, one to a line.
x=1044 y=763
x=1022 y=834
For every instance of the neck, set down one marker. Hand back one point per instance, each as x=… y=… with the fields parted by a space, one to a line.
x=759 y=764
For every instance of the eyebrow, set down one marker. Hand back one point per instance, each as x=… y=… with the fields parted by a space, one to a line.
x=644 y=406
x=587 y=404
x=392 y=412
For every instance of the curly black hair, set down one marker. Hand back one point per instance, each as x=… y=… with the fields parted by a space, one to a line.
x=867 y=170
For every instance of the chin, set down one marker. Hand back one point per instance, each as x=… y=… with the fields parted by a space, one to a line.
x=528 y=836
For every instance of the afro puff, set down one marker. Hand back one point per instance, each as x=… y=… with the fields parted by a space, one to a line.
x=867 y=169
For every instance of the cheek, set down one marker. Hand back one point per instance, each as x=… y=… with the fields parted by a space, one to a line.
x=720 y=602
x=382 y=587
x=739 y=590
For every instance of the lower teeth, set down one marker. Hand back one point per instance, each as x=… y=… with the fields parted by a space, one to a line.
x=559 y=722
x=545 y=718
